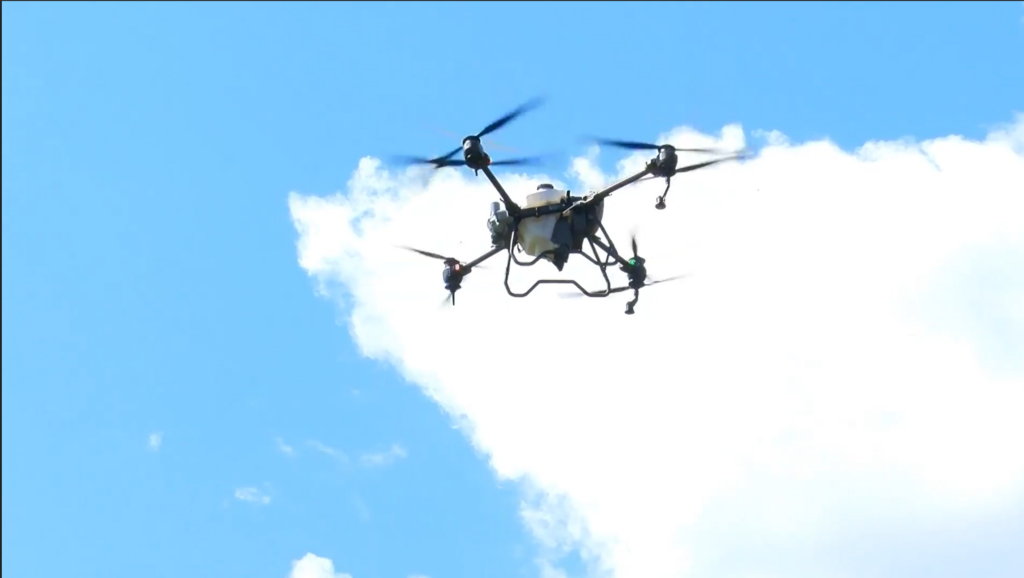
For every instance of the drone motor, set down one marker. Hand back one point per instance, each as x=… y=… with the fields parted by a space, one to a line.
x=666 y=161
x=473 y=152
x=452 y=276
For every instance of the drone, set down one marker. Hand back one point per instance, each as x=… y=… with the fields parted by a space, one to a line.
x=553 y=224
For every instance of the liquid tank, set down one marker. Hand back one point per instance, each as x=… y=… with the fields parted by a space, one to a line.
x=535 y=232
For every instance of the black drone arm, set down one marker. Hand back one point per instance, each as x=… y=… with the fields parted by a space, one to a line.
x=624 y=182
x=594 y=198
x=494 y=251
x=510 y=205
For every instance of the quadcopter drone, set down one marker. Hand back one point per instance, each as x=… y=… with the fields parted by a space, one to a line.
x=554 y=224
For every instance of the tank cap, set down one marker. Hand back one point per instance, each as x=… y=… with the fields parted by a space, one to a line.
x=545 y=186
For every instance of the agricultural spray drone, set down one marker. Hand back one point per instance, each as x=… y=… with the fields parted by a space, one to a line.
x=554 y=224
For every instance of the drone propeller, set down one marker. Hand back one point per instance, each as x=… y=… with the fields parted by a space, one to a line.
x=447 y=260
x=519 y=110
x=637 y=264
x=446 y=160
x=448 y=301
x=665 y=280
x=440 y=163
x=696 y=166
x=428 y=254
x=636 y=260
x=454 y=271
x=647 y=283
x=693 y=167
x=489 y=143
x=633 y=145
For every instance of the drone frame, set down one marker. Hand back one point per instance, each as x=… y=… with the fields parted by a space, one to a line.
x=663 y=165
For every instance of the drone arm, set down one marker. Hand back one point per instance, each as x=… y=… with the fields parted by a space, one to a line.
x=599 y=196
x=510 y=206
x=624 y=182
x=494 y=251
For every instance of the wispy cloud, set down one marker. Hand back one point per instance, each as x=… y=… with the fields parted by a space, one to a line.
x=156 y=439
x=252 y=495
x=377 y=459
x=326 y=449
x=284 y=448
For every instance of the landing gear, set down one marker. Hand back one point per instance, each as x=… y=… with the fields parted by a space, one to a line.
x=660 y=201
x=637 y=274
x=632 y=303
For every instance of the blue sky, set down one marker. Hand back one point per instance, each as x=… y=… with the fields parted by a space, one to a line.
x=150 y=281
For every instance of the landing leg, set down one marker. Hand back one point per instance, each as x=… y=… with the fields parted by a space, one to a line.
x=660 y=204
x=632 y=303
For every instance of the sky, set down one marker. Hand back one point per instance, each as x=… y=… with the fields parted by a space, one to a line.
x=216 y=363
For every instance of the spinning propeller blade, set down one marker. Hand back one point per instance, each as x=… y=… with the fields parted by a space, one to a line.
x=447 y=161
x=439 y=162
x=694 y=167
x=452 y=260
x=633 y=145
x=520 y=110
x=489 y=143
x=521 y=161
x=666 y=280
x=448 y=301
x=427 y=253
x=636 y=255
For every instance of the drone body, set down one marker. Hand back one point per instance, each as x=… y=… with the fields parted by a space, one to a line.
x=552 y=236
x=553 y=224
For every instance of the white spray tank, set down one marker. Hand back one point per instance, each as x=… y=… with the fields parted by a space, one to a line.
x=535 y=232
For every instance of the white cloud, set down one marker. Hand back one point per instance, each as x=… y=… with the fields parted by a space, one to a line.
x=326 y=449
x=313 y=566
x=394 y=453
x=369 y=459
x=809 y=403
x=252 y=495
x=284 y=448
x=156 y=439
